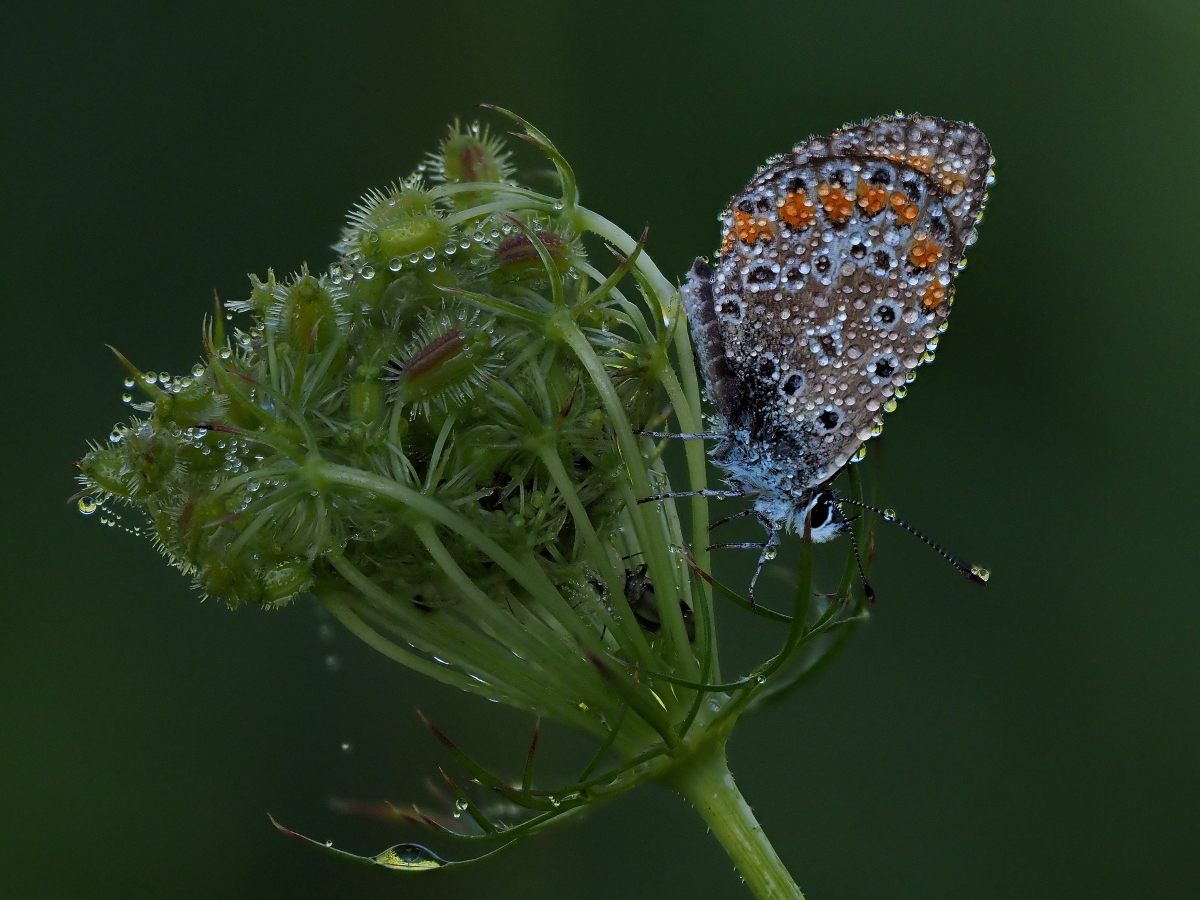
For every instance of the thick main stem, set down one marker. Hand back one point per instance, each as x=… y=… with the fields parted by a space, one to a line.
x=705 y=781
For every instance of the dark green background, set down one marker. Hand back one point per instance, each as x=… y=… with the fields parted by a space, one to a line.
x=1037 y=739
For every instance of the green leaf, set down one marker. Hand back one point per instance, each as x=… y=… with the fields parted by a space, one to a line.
x=398 y=858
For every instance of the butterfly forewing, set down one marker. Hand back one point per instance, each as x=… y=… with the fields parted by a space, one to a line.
x=836 y=270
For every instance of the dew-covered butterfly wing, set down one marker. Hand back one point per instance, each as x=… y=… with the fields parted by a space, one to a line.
x=835 y=275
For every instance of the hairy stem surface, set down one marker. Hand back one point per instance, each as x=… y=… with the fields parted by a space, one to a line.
x=705 y=781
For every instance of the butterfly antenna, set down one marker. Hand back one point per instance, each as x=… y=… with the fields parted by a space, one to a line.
x=978 y=574
x=868 y=591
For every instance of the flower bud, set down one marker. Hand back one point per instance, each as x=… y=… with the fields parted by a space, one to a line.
x=307 y=312
x=467 y=155
x=517 y=255
x=393 y=225
x=447 y=362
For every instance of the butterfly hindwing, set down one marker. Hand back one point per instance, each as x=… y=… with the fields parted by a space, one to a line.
x=836 y=271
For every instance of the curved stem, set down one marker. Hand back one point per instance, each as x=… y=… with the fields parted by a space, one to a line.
x=705 y=781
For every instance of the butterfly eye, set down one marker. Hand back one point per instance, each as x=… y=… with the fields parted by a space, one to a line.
x=822 y=509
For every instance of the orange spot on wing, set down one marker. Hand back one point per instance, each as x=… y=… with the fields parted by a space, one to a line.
x=924 y=253
x=906 y=210
x=838 y=205
x=797 y=210
x=750 y=229
x=871 y=199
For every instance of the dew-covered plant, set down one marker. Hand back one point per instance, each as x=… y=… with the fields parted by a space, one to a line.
x=438 y=437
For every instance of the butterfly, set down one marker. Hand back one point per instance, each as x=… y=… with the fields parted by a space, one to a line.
x=835 y=277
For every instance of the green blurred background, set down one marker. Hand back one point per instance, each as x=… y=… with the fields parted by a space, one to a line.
x=1037 y=739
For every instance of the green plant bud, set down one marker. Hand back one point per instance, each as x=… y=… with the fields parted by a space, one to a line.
x=150 y=457
x=466 y=155
x=104 y=471
x=308 y=313
x=517 y=255
x=366 y=395
x=394 y=224
x=447 y=362
x=262 y=295
x=283 y=582
x=193 y=402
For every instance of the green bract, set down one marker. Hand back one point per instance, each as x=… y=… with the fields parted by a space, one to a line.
x=437 y=437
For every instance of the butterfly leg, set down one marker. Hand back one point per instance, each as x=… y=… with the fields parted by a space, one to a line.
x=684 y=435
x=708 y=492
x=768 y=553
x=736 y=515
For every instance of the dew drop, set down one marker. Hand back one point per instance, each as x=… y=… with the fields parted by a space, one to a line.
x=981 y=573
x=88 y=505
x=129 y=382
x=164 y=377
x=197 y=370
x=368 y=272
x=127 y=397
x=394 y=264
x=428 y=253
x=889 y=515
x=347 y=746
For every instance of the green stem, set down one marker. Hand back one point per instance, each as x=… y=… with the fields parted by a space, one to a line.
x=705 y=781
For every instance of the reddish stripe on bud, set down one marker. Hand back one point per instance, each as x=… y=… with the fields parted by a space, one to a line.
x=433 y=354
